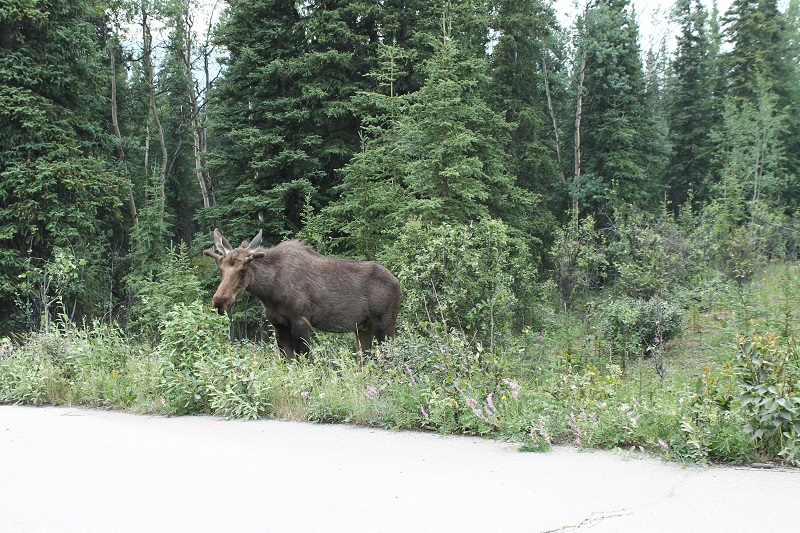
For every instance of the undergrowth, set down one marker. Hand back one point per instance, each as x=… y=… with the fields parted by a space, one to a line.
x=724 y=389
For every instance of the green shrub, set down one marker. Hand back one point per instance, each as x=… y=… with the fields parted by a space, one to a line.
x=471 y=277
x=579 y=258
x=193 y=338
x=650 y=255
x=769 y=378
x=633 y=327
x=172 y=280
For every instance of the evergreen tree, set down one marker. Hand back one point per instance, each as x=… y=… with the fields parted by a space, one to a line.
x=260 y=134
x=656 y=93
x=366 y=211
x=526 y=72
x=792 y=136
x=691 y=114
x=755 y=29
x=282 y=115
x=451 y=143
x=176 y=83
x=762 y=82
x=616 y=130
x=55 y=190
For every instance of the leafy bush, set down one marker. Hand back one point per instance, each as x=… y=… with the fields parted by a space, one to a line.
x=579 y=257
x=650 y=255
x=633 y=327
x=769 y=378
x=173 y=280
x=85 y=365
x=202 y=372
x=192 y=337
x=467 y=276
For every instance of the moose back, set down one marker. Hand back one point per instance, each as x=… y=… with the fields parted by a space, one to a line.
x=301 y=288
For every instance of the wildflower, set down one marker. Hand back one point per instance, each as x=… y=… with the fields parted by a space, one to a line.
x=421 y=408
x=514 y=386
x=370 y=392
x=410 y=375
x=602 y=405
x=663 y=445
x=491 y=403
x=163 y=402
x=477 y=411
x=624 y=408
x=321 y=395
x=305 y=394
x=541 y=431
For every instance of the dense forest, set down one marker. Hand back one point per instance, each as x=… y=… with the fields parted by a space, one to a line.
x=596 y=242
x=475 y=147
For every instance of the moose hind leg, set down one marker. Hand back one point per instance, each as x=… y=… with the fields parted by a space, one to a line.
x=301 y=336
x=384 y=328
x=364 y=336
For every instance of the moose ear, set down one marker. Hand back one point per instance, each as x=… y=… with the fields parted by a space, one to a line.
x=256 y=241
x=221 y=242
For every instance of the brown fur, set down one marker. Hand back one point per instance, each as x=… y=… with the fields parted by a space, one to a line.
x=301 y=288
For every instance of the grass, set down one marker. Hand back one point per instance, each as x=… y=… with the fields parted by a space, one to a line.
x=559 y=384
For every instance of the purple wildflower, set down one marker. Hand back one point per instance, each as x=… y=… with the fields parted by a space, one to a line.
x=370 y=392
x=491 y=403
x=513 y=386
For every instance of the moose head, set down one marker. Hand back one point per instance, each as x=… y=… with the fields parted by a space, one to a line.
x=233 y=266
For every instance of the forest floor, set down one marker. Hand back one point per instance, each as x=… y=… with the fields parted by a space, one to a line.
x=70 y=469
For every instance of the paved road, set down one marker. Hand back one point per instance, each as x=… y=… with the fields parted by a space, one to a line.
x=67 y=469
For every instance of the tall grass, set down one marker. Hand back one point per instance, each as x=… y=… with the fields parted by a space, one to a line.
x=707 y=399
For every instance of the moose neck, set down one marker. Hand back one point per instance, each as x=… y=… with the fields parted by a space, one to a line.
x=262 y=277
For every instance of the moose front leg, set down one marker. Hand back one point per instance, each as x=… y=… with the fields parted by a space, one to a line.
x=285 y=343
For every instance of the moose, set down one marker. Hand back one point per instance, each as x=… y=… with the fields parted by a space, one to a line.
x=302 y=289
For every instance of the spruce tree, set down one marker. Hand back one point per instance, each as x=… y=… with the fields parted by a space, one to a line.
x=762 y=91
x=616 y=130
x=55 y=190
x=756 y=31
x=261 y=137
x=281 y=112
x=364 y=217
x=691 y=110
x=527 y=78
x=451 y=143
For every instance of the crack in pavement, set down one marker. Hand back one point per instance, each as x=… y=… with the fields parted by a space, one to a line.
x=591 y=521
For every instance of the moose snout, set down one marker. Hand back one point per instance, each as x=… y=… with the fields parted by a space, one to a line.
x=221 y=305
